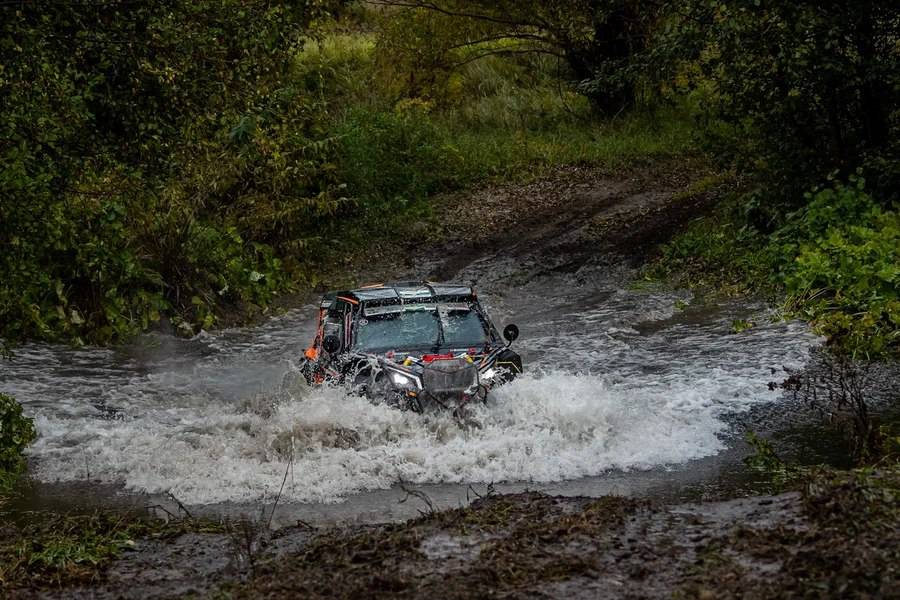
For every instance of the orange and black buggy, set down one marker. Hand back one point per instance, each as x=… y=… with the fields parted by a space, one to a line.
x=413 y=345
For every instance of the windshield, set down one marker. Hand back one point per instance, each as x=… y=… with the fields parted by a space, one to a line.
x=463 y=328
x=420 y=326
x=398 y=331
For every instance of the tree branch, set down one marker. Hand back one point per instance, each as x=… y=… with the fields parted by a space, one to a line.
x=452 y=13
x=501 y=37
x=505 y=53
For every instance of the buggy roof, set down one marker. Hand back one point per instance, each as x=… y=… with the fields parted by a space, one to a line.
x=402 y=292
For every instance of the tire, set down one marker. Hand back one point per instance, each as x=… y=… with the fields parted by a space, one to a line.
x=361 y=383
x=511 y=363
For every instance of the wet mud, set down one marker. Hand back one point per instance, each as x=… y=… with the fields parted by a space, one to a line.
x=836 y=536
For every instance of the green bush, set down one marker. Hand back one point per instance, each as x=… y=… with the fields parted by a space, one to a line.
x=717 y=251
x=391 y=159
x=837 y=259
x=808 y=87
x=16 y=433
x=843 y=270
x=161 y=181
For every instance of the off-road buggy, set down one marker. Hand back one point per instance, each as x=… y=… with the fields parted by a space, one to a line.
x=412 y=345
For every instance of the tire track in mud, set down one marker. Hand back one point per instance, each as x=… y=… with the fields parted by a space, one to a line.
x=563 y=221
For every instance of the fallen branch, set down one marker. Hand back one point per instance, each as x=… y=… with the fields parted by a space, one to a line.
x=421 y=496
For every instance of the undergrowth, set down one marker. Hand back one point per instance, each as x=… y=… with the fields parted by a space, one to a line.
x=836 y=262
x=16 y=433
x=58 y=550
x=263 y=184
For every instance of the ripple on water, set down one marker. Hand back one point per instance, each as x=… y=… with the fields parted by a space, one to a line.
x=618 y=380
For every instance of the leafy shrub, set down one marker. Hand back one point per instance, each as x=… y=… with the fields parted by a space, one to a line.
x=717 y=251
x=809 y=87
x=148 y=183
x=16 y=433
x=765 y=460
x=840 y=261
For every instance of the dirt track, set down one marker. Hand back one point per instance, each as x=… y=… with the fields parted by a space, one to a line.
x=579 y=213
x=576 y=211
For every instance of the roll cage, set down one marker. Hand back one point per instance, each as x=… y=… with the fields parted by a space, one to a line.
x=339 y=312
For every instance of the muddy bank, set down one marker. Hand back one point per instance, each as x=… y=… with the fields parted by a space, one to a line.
x=577 y=211
x=836 y=536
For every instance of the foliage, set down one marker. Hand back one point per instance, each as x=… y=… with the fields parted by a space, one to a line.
x=838 y=259
x=808 y=87
x=793 y=93
x=152 y=158
x=392 y=158
x=844 y=273
x=600 y=42
x=766 y=461
x=16 y=433
x=142 y=185
x=741 y=325
x=72 y=550
x=718 y=251
x=508 y=117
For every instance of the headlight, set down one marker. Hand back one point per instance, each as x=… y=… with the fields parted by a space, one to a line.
x=401 y=380
x=488 y=373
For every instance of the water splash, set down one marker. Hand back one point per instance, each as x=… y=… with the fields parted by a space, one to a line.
x=617 y=380
x=540 y=428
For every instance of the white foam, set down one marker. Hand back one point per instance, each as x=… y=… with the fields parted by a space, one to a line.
x=192 y=417
x=540 y=428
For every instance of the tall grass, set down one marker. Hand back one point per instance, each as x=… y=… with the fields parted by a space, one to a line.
x=495 y=119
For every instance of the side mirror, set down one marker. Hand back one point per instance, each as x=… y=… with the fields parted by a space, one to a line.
x=331 y=344
x=510 y=333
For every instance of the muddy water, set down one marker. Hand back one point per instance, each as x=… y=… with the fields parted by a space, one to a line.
x=627 y=391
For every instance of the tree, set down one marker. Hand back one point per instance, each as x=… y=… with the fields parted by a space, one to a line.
x=598 y=40
x=133 y=137
x=812 y=87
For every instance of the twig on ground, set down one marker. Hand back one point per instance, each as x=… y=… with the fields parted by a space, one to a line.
x=421 y=496
x=489 y=491
x=287 y=470
x=474 y=493
x=181 y=506
x=164 y=509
